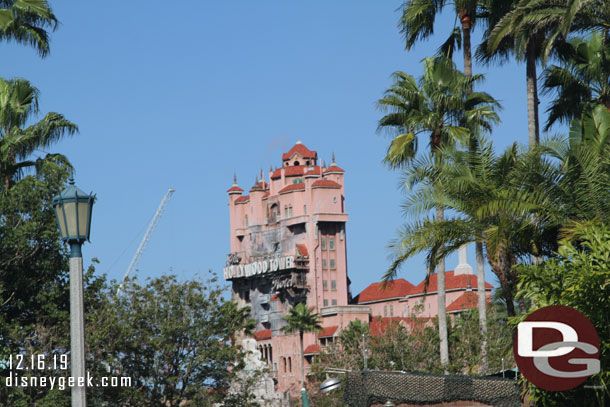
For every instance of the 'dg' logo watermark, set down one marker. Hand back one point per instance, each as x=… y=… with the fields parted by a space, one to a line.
x=556 y=348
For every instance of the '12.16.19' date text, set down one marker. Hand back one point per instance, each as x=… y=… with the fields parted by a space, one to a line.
x=38 y=362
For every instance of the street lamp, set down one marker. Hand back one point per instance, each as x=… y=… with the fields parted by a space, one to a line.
x=330 y=384
x=73 y=212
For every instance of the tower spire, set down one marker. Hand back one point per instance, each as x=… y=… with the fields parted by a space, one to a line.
x=234 y=179
x=333 y=163
x=463 y=267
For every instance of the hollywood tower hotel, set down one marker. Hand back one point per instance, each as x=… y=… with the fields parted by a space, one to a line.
x=288 y=245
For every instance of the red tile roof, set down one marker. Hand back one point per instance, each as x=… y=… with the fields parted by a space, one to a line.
x=394 y=289
x=294 y=171
x=378 y=325
x=235 y=189
x=333 y=168
x=301 y=150
x=266 y=194
x=451 y=282
x=325 y=183
x=242 y=199
x=465 y=301
x=303 y=250
x=264 y=334
x=317 y=170
x=277 y=174
x=328 y=331
x=312 y=350
x=293 y=187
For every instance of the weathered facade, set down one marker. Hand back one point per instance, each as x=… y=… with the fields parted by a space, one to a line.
x=288 y=245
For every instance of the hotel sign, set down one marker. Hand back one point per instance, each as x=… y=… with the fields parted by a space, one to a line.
x=258 y=268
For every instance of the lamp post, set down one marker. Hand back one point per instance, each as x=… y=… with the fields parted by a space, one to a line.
x=73 y=212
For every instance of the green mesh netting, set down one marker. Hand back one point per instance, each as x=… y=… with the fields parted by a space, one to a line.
x=363 y=389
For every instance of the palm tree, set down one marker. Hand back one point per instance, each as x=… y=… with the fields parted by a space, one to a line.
x=417 y=22
x=301 y=319
x=482 y=189
x=566 y=17
x=443 y=108
x=26 y=22
x=513 y=28
x=581 y=81
x=18 y=141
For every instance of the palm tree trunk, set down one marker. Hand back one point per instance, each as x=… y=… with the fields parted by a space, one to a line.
x=532 y=94
x=302 y=360
x=502 y=264
x=442 y=310
x=482 y=304
x=466 y=27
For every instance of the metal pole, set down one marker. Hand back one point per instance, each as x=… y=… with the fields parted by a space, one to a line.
x=77 y=327
x=304 y=398
x=503 y=368
x=364 y=351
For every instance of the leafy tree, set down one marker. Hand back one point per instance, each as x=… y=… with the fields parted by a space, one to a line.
x=412 y=345
x=443 y=108
x=33 y=279
x=173 y=339
x=18 y=103
x=26 y=22
x=465 y=339
x=578 y=277
x=300 y=319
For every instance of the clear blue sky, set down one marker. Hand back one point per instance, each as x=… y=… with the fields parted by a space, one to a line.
x=184 y=94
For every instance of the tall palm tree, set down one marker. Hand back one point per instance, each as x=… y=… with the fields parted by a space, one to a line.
x=483 y=190
x=513 y=28
x=443 y=108
x=417 y=23
x=566 y=16
x=26 y=22
x=580 y=81
x=301 y=319
x=18 y=140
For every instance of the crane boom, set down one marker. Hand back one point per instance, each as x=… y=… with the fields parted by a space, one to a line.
x=146 y=238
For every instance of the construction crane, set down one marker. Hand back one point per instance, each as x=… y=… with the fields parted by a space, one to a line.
x=146 y=238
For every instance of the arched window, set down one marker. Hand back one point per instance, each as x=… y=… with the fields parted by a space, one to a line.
x=284 y=363
x=289 y=364
x=297 y=163
x=246 y=221
x=297 y=181
x=274 y=212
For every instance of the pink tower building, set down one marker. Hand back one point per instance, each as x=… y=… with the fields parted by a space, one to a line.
x=288 y=245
